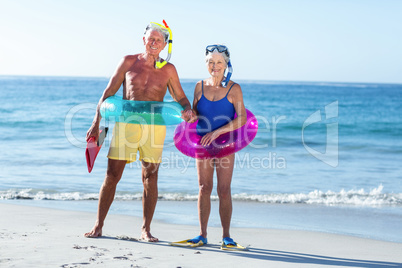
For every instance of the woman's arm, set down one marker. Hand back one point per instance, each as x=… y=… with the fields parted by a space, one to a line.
x=236 y=98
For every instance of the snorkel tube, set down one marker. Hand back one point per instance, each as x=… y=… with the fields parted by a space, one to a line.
x=229 y=74
x=158 y=64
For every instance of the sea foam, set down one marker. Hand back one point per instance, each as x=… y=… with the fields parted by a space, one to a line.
x=361 y=197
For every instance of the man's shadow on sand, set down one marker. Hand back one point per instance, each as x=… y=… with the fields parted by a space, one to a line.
x=279 y=256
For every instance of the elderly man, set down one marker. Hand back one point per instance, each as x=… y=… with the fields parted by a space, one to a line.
x=144 y=82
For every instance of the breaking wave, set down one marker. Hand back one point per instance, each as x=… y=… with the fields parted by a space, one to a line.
x=374 y=197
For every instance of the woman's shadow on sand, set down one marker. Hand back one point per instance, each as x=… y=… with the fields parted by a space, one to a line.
x=295 y=257
x=280 y=256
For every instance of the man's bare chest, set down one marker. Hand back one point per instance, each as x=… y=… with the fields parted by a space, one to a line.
x=144 y=79
x=149 y=85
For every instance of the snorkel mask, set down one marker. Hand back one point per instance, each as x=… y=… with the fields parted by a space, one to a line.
x=165 y=28
x=222 y=49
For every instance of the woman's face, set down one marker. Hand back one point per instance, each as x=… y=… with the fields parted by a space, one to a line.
x=216 y=65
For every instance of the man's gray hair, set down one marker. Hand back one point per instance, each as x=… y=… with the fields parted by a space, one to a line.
x=152 y=27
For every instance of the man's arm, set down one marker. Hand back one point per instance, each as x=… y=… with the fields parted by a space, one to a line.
x=177 y=93
x=114 y=84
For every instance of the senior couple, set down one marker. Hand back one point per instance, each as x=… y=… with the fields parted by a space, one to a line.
x=214 y=97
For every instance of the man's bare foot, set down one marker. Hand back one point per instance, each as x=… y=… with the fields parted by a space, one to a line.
x=94 y=233
x=147 y=237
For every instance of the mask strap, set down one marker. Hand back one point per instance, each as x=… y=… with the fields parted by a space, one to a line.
x=229 y=74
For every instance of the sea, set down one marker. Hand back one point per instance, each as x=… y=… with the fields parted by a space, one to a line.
x=327 y=157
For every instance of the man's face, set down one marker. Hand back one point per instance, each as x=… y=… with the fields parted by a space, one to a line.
x=154 y=42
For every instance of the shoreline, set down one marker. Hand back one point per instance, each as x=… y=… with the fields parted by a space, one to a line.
x=377 y=223
x=44 y=237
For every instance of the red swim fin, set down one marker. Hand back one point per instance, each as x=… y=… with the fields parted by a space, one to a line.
x=93 y=148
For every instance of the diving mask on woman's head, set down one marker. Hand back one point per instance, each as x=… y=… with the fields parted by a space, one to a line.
x=167 y=33
x=222 y=49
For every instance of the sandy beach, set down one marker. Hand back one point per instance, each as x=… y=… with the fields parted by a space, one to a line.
x=42 y=237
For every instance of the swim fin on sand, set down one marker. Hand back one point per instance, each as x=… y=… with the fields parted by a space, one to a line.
x=229 y=244
x=191 y=243
x=93 y=148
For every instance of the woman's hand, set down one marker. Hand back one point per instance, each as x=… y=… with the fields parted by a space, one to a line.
x=208 y=138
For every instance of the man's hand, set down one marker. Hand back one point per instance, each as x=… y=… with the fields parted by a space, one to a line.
x=189 y=116
x=93 y=132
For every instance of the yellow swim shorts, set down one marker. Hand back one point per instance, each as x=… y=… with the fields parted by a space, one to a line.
x=128 y=139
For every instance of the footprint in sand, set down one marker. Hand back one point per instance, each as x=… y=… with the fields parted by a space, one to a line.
x=120 y=258
x=127 y=238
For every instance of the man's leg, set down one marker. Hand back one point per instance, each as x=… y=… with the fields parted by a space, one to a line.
x=149 y=199
x=106 y=195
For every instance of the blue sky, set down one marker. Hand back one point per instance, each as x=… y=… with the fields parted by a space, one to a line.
x=305 y=40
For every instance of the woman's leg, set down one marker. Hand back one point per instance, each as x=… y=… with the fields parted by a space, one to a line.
x=205 y=181
x=224 y=172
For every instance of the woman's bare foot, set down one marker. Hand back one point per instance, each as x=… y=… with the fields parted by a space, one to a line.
x=147 y=237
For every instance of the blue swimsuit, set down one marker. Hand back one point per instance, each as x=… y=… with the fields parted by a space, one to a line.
x=213 y=114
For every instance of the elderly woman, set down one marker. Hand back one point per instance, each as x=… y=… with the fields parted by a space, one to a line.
x=215 y=106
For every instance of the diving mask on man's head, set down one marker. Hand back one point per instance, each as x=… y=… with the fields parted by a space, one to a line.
x=225 y=50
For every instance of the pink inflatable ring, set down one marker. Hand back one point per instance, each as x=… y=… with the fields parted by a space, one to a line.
x=187 y=140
